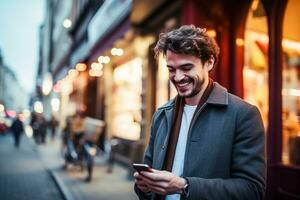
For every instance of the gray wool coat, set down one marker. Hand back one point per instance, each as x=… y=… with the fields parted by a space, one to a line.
x=225 y=152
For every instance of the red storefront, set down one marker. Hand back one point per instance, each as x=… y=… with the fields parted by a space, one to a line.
x=259 y=43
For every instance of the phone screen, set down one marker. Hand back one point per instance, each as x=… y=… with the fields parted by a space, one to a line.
x=141 y=167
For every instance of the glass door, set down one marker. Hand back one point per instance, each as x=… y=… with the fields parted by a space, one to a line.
x=255 y=71
x=291 y=85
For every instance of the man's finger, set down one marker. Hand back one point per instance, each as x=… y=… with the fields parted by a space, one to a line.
x=140 y=182
x=143 y=188
x=157 y=190
x=136 y=174
x=162 y=184
x=155 y=176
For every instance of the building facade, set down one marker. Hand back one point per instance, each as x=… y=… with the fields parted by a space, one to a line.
x=12 y=95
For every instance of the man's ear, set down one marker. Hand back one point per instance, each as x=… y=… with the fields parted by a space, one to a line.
x=209 y=64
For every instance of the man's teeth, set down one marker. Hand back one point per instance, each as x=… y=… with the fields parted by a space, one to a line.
x=183 y=84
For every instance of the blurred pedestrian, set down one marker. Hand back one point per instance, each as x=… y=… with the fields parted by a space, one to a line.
x=73 y=138
x=17 y=129
x=35 y=126
x=66 y=133
x=205 y=143
x=77 y=126
x=53 y=123
x=42 y=128
x=79 y=147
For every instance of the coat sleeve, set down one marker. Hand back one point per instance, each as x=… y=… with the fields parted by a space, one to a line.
x=148 y=157
x=248 y=169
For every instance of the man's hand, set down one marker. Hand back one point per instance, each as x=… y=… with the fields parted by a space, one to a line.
x=140 y=183
x=162 y=182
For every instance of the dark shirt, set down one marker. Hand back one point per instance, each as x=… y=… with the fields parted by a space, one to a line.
x=17 y=126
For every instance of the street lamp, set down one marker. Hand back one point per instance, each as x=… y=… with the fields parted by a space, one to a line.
x=38 y=107
x=55 y=103
x=2 y=108
x=67 y=23
x=47 y=84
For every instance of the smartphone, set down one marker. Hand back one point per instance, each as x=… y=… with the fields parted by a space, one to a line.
x=141 y=167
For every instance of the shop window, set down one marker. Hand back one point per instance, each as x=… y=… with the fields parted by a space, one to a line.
x=255 y=71
x=127 y=100
x=165 y=89
x=291 y=85
x=162 y=82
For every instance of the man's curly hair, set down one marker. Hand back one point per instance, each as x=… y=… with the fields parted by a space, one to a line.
x=189 y=40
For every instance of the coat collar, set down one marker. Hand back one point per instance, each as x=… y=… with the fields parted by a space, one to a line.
x=218 y=96
x=168 y=105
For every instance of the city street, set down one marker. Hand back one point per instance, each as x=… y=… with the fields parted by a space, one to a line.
x=95 y=86
x=22 y=174
x=35 y=172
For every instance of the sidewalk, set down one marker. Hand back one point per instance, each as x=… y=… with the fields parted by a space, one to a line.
x=22 y=175
x=104 y=186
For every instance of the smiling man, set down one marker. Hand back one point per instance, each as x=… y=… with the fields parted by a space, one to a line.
x=206 y=143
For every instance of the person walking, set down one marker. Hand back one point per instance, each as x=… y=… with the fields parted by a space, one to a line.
x=17 y=129
x=53 y=123
x=41 y=129
x=35 y=127
x=205 y=143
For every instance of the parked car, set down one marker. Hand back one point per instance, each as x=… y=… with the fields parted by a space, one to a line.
x=3 y=127
x=5 y=123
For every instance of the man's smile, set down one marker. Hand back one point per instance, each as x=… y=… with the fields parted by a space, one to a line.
x=183 y=85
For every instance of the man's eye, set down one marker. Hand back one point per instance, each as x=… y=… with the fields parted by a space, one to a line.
x=185 y=69
x=171 y=70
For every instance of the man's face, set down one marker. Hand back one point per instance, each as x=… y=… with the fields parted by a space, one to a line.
x=187 y=73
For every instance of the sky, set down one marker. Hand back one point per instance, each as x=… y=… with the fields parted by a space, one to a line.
x=19 y=30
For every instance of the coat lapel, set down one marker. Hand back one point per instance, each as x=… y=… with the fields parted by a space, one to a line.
x=165 y=137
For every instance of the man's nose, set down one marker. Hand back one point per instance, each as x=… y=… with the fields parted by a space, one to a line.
x=178 y=75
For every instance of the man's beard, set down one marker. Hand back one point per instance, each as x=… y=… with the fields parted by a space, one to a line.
x=196 y=86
